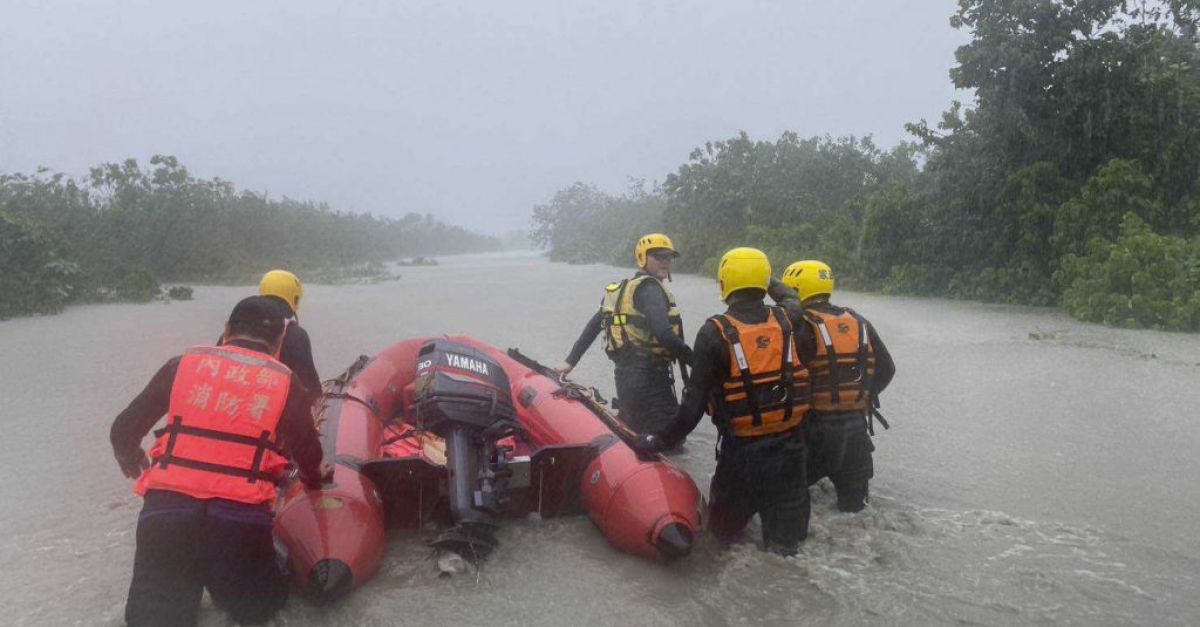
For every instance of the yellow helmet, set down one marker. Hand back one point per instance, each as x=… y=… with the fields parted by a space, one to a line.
x=743 y=268
x=809 y=278
x=283 y=284
x=648 y=243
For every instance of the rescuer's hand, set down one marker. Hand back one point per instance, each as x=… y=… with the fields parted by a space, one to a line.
x=778 y=290
x=133 y=465
x=563 y=369
x=324 y=475
x=686 y=356
x=647 y=443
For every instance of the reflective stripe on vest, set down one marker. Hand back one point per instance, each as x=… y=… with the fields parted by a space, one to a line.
x=845 y=362
x=767 y=387
x=221 y=437
x=624 y=326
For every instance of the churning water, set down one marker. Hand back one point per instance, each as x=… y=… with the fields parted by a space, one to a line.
x=1039 y=470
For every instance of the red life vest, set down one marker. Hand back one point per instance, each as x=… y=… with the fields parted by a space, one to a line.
x=220 y=438
x=844 y=363
x=766 y=391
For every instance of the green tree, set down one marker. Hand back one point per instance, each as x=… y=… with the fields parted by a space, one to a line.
x=124 y=228
x=36 y=278
x=1139 y=279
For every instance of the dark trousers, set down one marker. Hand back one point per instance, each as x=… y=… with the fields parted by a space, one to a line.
x=646 y=395
x=185 y=545
x=839 y=447
x=763 y=476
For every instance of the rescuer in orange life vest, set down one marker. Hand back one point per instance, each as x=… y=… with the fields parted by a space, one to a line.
x=209 y=482
x=849 y=367
x=747 y=370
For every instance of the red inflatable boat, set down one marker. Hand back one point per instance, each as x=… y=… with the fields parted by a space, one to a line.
x=454 y=431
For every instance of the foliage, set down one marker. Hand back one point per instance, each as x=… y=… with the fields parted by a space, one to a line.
x=1085 y=112
x=370 y=272
x=36 y=278
x=802 y=195
x=1140 y=280
x=136 y=284
x=124 y=228
x=179 y=292
x=582 y=224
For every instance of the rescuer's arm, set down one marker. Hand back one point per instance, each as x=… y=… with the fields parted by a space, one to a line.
x=690 y=411
x=132 y=424
x=651 y=300
x=707 y=370
x=590 y=331
x=885 y=368
x=299 y=438
x=297 y=355
x=787 y=298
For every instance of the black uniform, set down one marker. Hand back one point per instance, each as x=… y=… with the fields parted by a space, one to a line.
x=759 y=475
x=839 y=444
x=185 y=544
x=296 y=351
x=645 y=384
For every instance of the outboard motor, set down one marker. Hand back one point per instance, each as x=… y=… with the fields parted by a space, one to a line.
x=463 y=396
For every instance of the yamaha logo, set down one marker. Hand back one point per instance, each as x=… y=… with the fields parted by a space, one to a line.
x=466 y=363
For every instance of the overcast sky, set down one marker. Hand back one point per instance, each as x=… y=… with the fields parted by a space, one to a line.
x=471 y=111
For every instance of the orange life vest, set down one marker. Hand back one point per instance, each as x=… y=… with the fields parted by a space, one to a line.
x=767 y=388
x=844 y=364
x=221 y=437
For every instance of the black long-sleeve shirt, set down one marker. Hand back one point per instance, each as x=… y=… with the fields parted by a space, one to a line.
x=651 y=299
x=297 y=434
x=296 y=353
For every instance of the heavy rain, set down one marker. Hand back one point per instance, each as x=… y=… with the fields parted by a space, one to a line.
x=1006 y=194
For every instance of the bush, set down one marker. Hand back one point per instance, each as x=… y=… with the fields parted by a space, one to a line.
x=1143 y=279
x=137 y=284
x=1018 y=285
x=36 y=279
x=179 y=292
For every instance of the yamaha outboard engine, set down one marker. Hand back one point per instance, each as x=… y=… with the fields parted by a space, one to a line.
x=463 y=396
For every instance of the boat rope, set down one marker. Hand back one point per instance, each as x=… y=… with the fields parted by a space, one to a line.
x=350 y=397
x=579 y=392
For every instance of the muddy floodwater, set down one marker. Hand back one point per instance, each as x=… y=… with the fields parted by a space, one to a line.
x=1038 y=470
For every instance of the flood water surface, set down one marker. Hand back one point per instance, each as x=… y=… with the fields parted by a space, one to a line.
x=1039 y=470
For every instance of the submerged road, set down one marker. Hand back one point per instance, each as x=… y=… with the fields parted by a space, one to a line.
x=1039 y=470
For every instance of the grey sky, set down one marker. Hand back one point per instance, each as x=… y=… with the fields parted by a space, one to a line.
x=471 y=111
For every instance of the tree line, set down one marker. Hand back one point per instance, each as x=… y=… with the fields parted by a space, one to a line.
x=1071 y=179
x=125 y=228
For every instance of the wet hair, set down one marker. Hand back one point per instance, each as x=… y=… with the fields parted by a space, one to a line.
x=256 y=317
